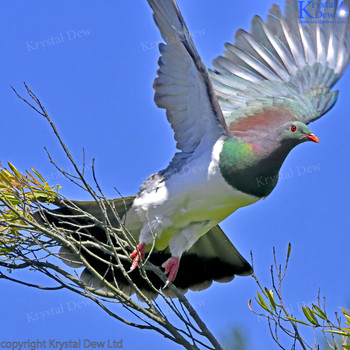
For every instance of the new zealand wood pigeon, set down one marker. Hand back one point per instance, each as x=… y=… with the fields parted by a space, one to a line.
x=234 y=127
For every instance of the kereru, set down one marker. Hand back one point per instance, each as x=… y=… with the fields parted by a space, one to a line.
x=234 y=127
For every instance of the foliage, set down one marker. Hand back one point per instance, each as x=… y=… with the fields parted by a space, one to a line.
x=18 y=192
x=273 y=309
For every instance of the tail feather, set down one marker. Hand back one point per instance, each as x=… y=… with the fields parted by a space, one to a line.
x=212 y=258
x=69 y=258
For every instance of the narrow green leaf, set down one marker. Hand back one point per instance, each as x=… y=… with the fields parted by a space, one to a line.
x=261 y=302
x=309 y=314
x=10 y=197
x=262 y=305
x=15 y=171
x=5 y=178
x=345 y=334
x=347 y=347
x=38 y=175
x=269 y=294
x=295 y=320
x=319 y=312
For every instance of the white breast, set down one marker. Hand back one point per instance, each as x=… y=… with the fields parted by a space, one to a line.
x=198 y=192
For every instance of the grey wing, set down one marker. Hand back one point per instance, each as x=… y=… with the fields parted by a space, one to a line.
x=183 y=86
x=284 y=68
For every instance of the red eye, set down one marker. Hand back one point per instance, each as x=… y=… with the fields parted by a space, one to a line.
x=293 y=128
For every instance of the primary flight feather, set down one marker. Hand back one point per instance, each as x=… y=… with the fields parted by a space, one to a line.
x=234 y=127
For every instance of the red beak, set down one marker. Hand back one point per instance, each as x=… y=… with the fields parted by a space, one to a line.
x=313 y=138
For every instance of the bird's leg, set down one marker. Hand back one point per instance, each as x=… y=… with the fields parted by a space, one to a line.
x=149 y=232
x=136 y=254
x=180 y=243
x=171 y=267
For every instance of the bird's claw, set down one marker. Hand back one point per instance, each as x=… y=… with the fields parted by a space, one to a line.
x=136 y=254
x=171 y=267
x=166 y=284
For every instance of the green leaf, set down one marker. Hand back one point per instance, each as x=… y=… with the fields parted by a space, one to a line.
x=269 y=294
x=319 y=312
x=15 y=171
x=10 y=197
x=5 y=178
x=43 y=196
x=295 y=320
x=38 y=175
x=309 y=314
x=345 y=334
x=262 y=303
x=347 y=347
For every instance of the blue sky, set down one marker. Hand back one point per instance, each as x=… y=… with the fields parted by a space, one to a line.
x=92 y=64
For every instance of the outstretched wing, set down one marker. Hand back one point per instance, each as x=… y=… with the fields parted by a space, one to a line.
x=283 y=69
x=183 y=86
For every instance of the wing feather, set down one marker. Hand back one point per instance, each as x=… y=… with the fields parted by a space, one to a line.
x=183 y=86
x=282 y=64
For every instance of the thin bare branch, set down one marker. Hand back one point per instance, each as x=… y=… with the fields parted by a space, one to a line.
x=30 y=241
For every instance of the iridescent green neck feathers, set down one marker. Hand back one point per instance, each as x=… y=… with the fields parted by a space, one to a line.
x=252 y=166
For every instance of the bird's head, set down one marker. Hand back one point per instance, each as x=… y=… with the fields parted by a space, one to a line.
x=294 y=133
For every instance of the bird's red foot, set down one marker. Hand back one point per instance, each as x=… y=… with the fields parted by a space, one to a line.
x=135 y=255
x=171 y=268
